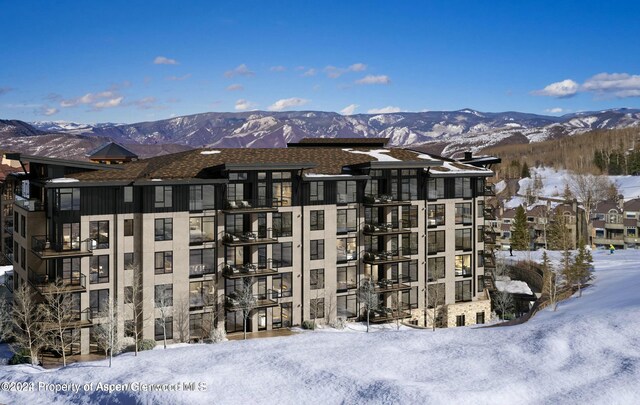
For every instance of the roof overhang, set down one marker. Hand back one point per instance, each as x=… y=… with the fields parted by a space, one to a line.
x=60 y=162
x=396 y=164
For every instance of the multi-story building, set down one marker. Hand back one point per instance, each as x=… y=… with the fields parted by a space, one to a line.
x=616 y=223
x=303 y=226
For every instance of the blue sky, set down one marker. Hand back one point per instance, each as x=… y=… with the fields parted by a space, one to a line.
x=131 y=61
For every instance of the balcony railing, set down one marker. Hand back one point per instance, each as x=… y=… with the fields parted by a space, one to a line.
x=45 y=249
x=77 y=282
x=31 y=205
x=384 y=257
x=232 y=271
x=384 y=315
x=489 y=190
x=263 y=300
x=344 y=198
x=76 y=319
x=464 y=219
x=248 y=238
x=387 y=285
x=463 y=271
x=199 y=270
x=489 y=214
x=8 y=280
x=382 y=200
x=389 y=228
x=489 y=238
x=253 y=205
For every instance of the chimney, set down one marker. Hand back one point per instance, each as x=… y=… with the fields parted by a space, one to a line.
x=468 y=155
x=621 y=202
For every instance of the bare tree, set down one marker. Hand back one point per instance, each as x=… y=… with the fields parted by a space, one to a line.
x=244 y=300
x=134 y=299
x=369 y=297
x=27 y=318
x=330 y=306
x=396 y=308
x=503 y=302
x=435 y=301
x=164 y=306
x=181 y=318
x=106 y=330
x=60 y=311
x=589 y=190
x=6 y=323
x=551 y=280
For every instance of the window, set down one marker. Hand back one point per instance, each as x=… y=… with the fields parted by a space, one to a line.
x=347 y=220
x=128 y=194
x=98 y=302
x=164 y=262
x=460 y=320
x=23 y=226
x=128 y=295
x=128 y=227
x=281 y=189
x=164 y=229
x=238 y=176
x=282 y=224
x=479 y=318
x=409 y=188
x=163 y=196
x=201 y=294
x=67 y=199
x=435 y=215
x=410 y=216
x=346 y=278
x=282 y=285
x=346 y=191
x=163 y=295
x=317 y=191
x=71 y=269
x=317 y=249
x=480 y=283
x=282 y=316
x=409 y=271
x=316 y=309
x=410 y=244
x=317 y=220
x=462 y=187
x=347 y=306
x=201 y=230
x=480 y=258
x=436 y=295
x=71 y=236
x=463 y=265
x=480 y=212
x=129 y=328
x=463 y=290
x=463 y=239
x=316 y=279
x=436 y=242
x=99 y=269
x=436 y=267
x=202 y=261
x=346 y=249
x=282 y=255
x=23 y=257
x=201 y=197
x=409 y=299
x=163 y=328
x=435 y=189
x=235 y=192
x=129 y=261
x=463 y=214
x=480 y=233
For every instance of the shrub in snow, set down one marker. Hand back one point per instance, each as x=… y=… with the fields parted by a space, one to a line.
x=308 y=325
x=146 y=344
x=22 y=356
x=218 y=335
x=339 y=323
x=128 y=344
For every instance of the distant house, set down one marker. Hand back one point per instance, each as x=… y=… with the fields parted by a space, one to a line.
x=616 y=223
x=112 y=153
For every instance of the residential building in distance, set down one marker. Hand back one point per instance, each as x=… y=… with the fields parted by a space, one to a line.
x=303 y=226
x=616 y=223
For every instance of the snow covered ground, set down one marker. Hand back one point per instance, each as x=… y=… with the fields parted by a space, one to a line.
x=588 y=352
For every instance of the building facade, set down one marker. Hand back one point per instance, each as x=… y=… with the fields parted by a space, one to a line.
x=301 y=226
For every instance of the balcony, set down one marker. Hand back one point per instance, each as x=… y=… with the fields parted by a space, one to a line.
x=200 y=270
x=248 y=238
x=44 y=249
x=489 y=238
x=383 y=200
x=251 y=205
x=489 y=191
x=232 y=271
x=8 y=280
x=384 y=257
x=611 y=225
x=391 y=228
x=488 y=281
x=31 y=205
x=609 y=241
x=631 y=240
x=77 y=319
x=489 y=262
x=265 y=300
x=41 y=282
x=386 y=285
x=384 y=315
x=489 y=215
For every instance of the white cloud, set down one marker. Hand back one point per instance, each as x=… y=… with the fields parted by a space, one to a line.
x=161 y=60
x=564 y=89
x=179 y=78
x=287 y=103
x=335 y=72
x=46 y=110
x=371 y=79
x=621 y=85
x=555 y=110
x=235 y=87
x=310 y=72
x=113 y=102
x=240 y=70
x=243 y=105
x=278 y=69
x=384 y=110
x=349 y=110
x=88 y=98
x=147 y=103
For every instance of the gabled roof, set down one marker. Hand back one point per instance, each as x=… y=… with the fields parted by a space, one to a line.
x=111 y=150
x=632 y=205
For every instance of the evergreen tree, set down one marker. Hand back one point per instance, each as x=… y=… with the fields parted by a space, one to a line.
x=525 y=171
x=519 y=230
x=581 y=269
x=558 y=235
